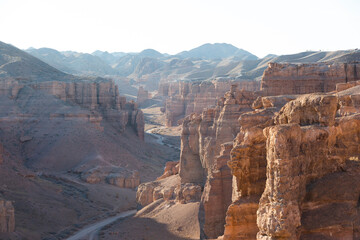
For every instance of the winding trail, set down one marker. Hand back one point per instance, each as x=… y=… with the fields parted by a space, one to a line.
x=90 y=231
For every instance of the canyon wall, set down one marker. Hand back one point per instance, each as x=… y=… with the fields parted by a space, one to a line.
x=183 y=98
x=286 y=78
x=102 y=98
x=294 y=170
x=273 y=167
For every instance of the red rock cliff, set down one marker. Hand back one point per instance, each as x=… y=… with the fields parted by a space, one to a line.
x=287 y=177
x=285 y=78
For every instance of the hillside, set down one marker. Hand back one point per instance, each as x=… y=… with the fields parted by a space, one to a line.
x=19 y=64
x=67 y=155
x=73 y=62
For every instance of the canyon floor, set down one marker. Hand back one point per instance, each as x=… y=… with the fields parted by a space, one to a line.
x=162 y=219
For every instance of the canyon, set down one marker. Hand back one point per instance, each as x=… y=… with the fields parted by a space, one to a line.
x=67 y=157
x=264 y=165
x=250 y=159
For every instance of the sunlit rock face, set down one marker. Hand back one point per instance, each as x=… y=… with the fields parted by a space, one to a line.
x=285 y=78
x=307 y=157
x=248 y=167
x=296 y=170
x=268 y=165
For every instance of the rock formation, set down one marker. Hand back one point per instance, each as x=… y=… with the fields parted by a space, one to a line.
x=7 y=217
x=248 y=167
x=142 y=95
x=185 y=98
x=287 y=176
x=285 y=78
x=102 y=98
x=204 y=155
x=274 y=167
x=112 y=175
x=171 y=168
x=306 y=156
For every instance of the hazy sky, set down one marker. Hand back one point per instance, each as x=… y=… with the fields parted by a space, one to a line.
x=258 y=26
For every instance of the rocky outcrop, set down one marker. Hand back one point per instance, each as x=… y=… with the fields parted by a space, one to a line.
x=7 y=217
x=277 y=167
x=171 y=168
x=142 y=95
x=349 y=99
x=285 y=78
x=302 y=155
x=217 y=192
x=119 y=177
x=248 y=166
x=166 y=188
x=204 y=155
x=191 y=170
x=184 y=98
x=296 y=171
x=101 y=97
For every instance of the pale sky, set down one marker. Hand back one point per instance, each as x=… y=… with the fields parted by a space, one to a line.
x=170 y=26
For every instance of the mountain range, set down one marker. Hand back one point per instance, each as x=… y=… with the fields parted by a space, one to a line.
x=149 y=67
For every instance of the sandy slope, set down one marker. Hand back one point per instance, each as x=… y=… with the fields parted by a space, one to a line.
x=158 y=221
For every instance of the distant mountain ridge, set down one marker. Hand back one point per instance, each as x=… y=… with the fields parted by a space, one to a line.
x=15 y=63
x=208 y=61
x=217 y=50
x=73 y=62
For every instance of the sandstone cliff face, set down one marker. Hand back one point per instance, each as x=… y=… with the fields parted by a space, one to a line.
x=185 y=98
x=7 y=216
x=248 y=167
x=101 y=97
x=288 y=166
x=279 y=79
x=303 y=153
x=287 y=158
x=204 y=155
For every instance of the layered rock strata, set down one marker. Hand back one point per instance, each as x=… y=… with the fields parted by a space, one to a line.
x=204 y=155
x=309 y=148
x=184 y=98
x=288 y=166
x=248 y=167
x=7 y=217
x=102 y=98
x=285 y=78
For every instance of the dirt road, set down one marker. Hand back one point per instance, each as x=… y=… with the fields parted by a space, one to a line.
x=89 y=232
